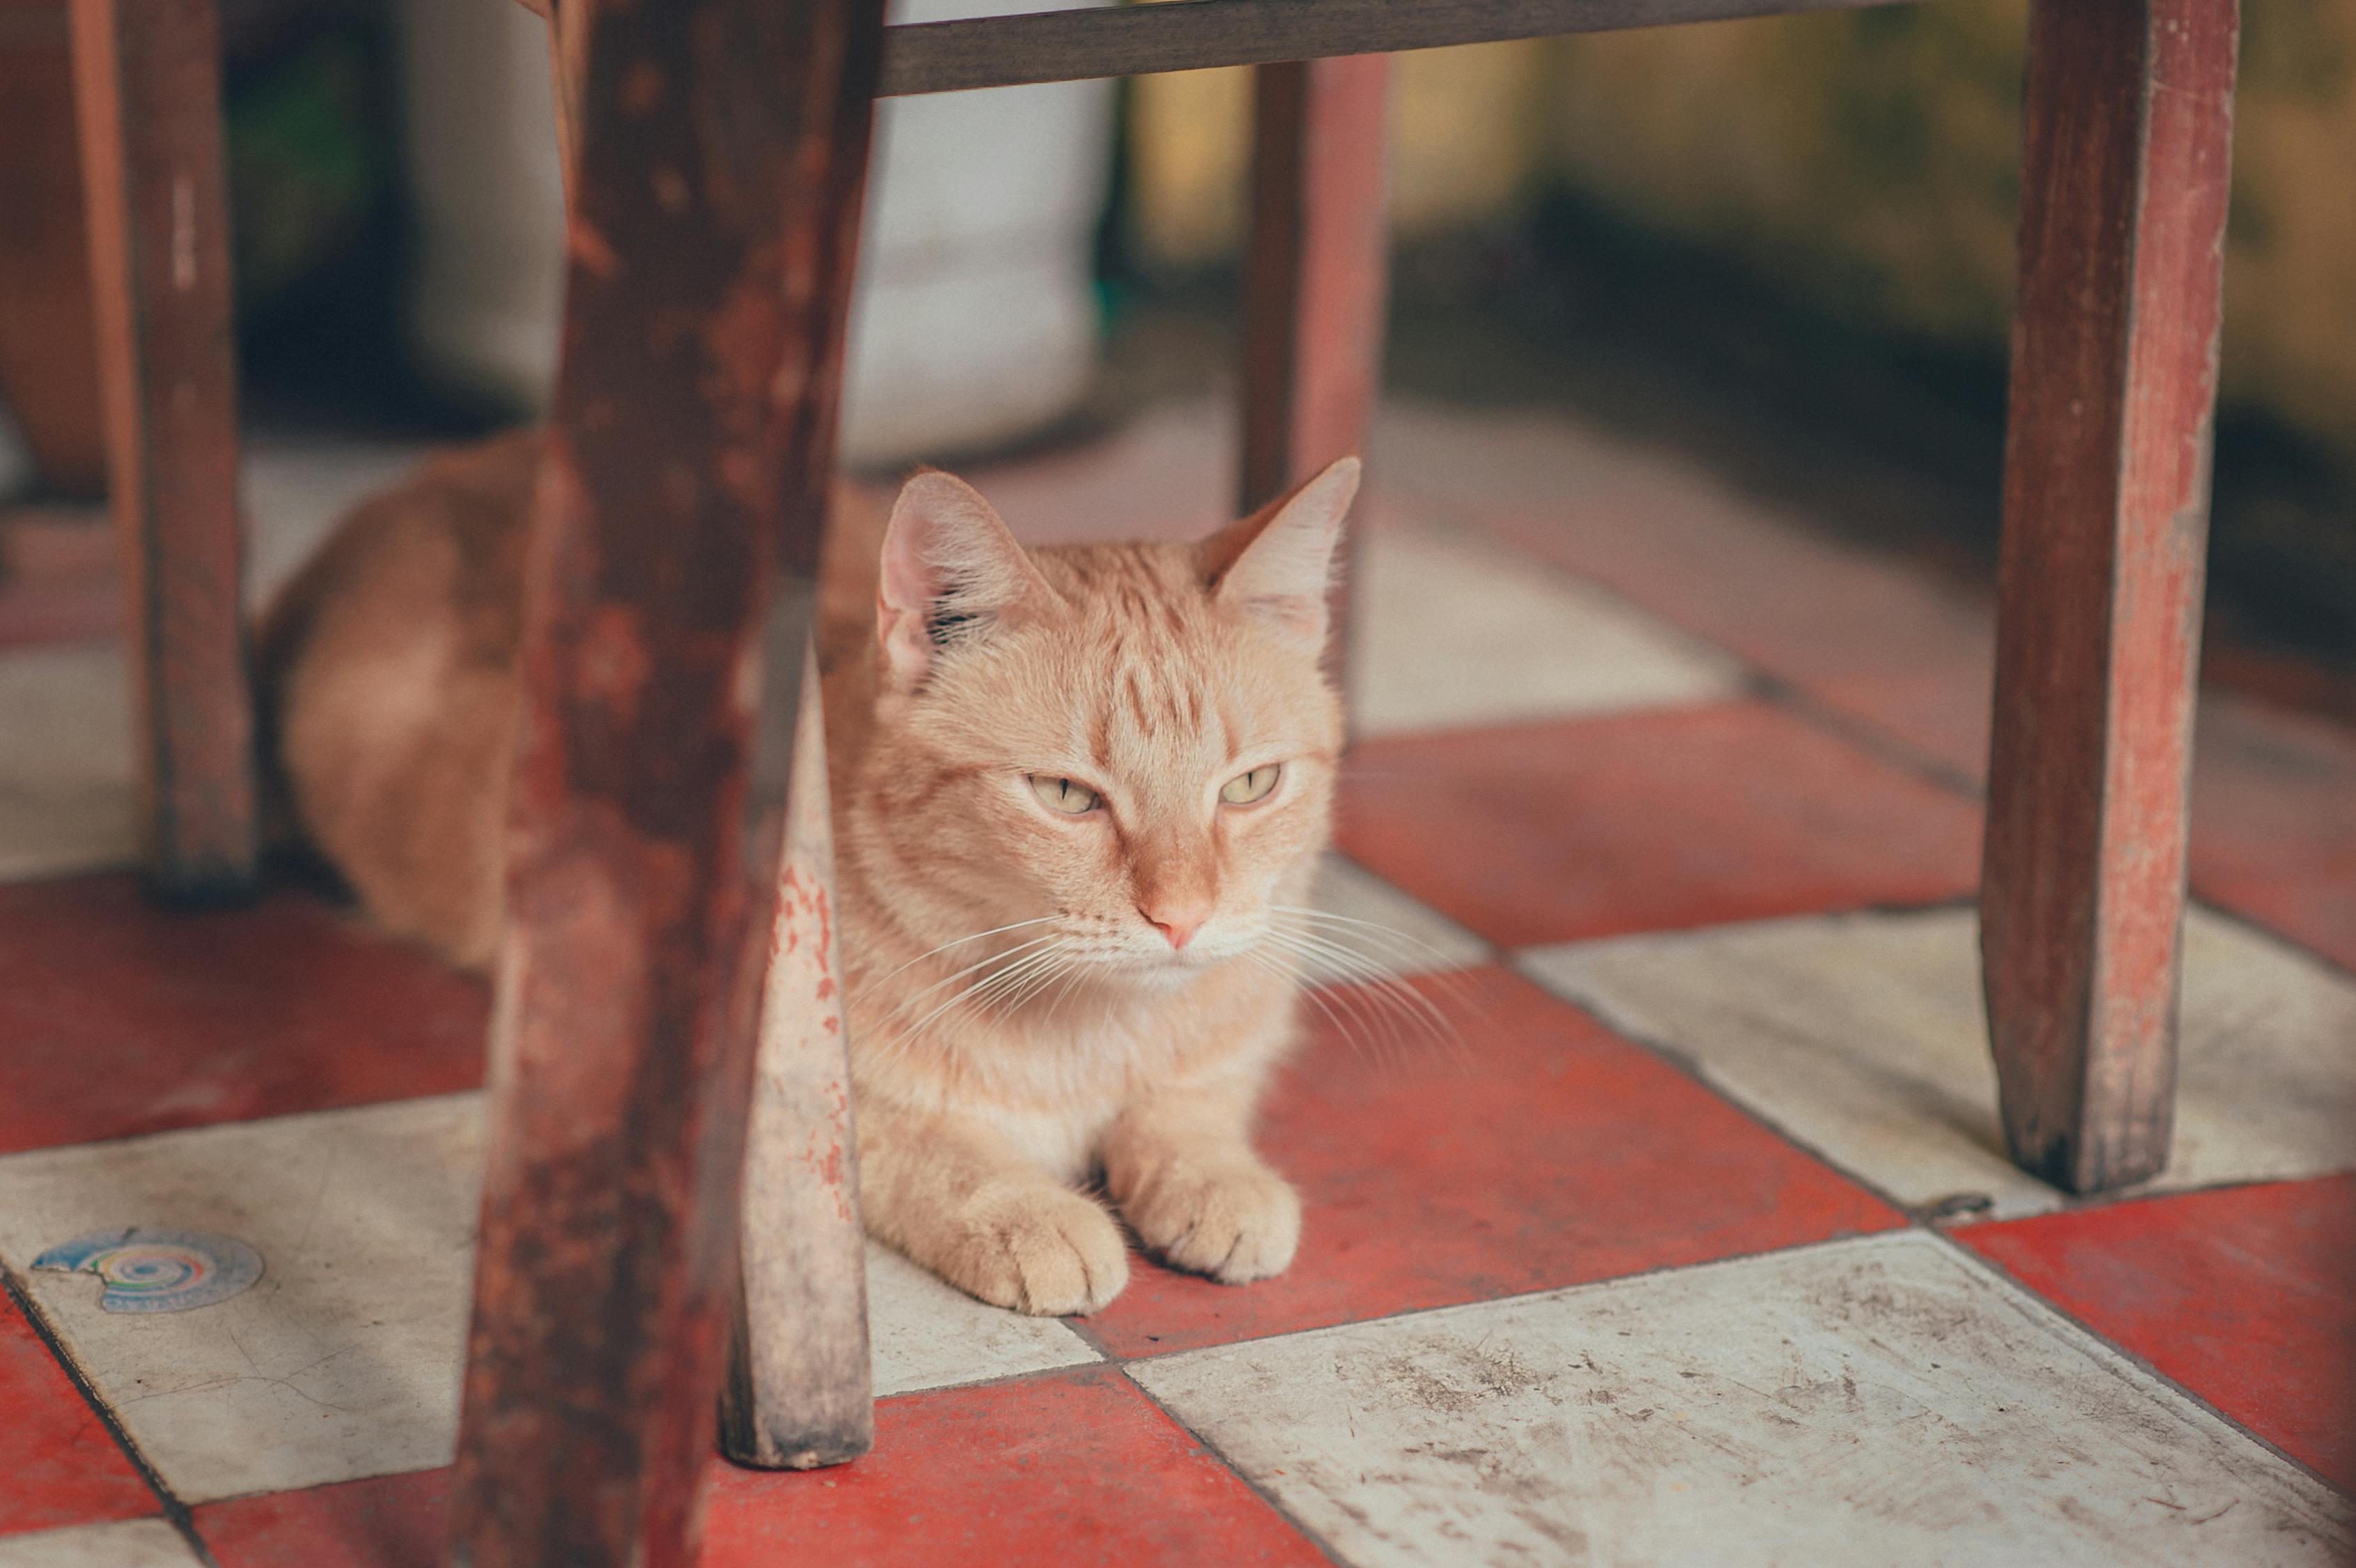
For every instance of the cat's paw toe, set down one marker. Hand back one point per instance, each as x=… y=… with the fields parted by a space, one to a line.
x=1236 y=1224
x=1046 y=1252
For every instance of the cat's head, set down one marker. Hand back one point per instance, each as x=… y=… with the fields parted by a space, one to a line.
x=1131 y=747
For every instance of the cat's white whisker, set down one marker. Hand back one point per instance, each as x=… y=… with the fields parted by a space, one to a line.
x=980 y=991
x=994 y=930
x=914 y=997
x=1347 y=1020
x=1390 y=933
x=1030 y=987
x=1352 y=964
x=1446 y=972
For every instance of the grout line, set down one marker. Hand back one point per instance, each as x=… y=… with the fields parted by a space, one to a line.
x=1332 y=1553
x=1689 y=1066
x=1085 y=1331
x=1756 y=681
x=1859 y=730
x=2139 y=1362
x=1844 y=1239
x=1864 y=735
x=1926 y=1218
x=176 y=1513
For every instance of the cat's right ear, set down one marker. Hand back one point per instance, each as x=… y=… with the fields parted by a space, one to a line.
x=951 y=571
x=1276 y=564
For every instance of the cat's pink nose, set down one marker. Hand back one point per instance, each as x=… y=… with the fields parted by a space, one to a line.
x=1178 y=921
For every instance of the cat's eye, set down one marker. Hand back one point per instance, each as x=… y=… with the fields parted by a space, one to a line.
x=1067 y=796
x=1245 y=788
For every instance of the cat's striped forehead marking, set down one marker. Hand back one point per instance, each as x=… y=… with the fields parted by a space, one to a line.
x=1143 y=617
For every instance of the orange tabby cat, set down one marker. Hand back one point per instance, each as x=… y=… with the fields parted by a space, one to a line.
x=1076 y=792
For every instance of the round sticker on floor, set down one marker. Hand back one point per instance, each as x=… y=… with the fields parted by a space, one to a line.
x=158 y=1271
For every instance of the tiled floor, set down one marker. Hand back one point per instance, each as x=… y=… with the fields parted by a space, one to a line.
x=1686 y=1236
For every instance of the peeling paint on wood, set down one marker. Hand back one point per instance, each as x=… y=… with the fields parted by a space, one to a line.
x=720 y=152
x=799 y=1391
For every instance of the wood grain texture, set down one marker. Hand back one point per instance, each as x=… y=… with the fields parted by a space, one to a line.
x=147 y=95
x=2105 y=519
x=799 y=1391
x=1316 y=282
x=718 y=144
x=1191 y=35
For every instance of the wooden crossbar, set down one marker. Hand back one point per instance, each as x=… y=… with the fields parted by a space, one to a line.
x=1195 y=34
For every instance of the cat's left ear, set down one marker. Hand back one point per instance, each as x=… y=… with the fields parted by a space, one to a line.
x=1278 y=564
x=951 y=571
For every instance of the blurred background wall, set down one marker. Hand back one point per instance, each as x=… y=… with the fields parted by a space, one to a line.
x=1824 y=205
x=1820 y=206
x=1866 y=162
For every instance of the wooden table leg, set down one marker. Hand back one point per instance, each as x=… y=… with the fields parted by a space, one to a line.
x=706 y=293
x=48 y=350
x=147 y=92
x=799 y=1394
x=2105 y=519
x=1316 y=280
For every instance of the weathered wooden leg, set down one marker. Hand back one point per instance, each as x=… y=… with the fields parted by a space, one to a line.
x=2105 y=518
x=1316 y=280
x=147 y=91
x=702 y=328
x=798 y=1393
x=49 y=352
x=568 y=66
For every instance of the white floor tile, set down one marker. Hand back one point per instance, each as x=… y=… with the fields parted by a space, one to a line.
x=1876 y=1403
x=296 y=484
x=1864 y=1037
x=922 y=1334
x=343 y=1359
x=67 y=801
x=1456 y=632
x=1387 y=926
x=129 y=1543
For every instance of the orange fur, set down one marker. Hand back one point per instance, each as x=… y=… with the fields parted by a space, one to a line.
x=1036 y=996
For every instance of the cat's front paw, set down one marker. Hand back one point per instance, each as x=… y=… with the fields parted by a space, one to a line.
x=1236 y=1222
x=1039 y=1250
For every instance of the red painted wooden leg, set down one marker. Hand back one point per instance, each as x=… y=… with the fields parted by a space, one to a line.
x=147 y=92
x=702 y=323
x=1316 y=280
x=2105 y=518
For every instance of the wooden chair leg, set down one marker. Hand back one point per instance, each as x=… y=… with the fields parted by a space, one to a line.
x=719 y=146
x=1316 y=280
x=2105 y=514
x=147 y=95
x=799 y=1394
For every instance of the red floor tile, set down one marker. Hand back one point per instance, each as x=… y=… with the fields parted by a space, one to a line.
x=385 y=1522
x=58 y=1465
x=2246 y=1297
x=1649 y=822
x=1535 y=1150
x=122 y=1019
x=2274 y=822
x=1074 y=1467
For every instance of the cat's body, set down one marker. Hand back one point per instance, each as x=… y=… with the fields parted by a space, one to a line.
x=1074 y=791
